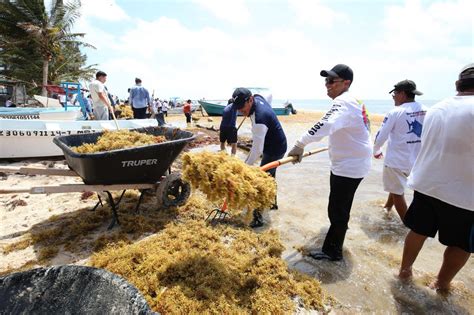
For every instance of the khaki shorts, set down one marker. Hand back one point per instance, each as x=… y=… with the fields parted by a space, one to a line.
x=101 y=112
x=394 y=180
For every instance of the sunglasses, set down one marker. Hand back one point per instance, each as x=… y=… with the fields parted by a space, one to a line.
x=395 y=93
x=333 y=80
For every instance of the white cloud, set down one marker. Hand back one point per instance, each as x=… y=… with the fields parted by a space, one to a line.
x=175 y=59
x=233 y=11
x=414 y=27
x=199 y=62
x=314 y=13
x=107 y=10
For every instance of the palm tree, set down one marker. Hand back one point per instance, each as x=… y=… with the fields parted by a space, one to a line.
x=27 y=24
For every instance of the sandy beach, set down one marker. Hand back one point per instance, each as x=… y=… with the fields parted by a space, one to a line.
x=364 y=282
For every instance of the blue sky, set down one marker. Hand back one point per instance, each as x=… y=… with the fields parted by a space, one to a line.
x=205 y=48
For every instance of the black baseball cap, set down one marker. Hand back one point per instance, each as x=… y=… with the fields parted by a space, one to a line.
x=467 y=72
x=406 y=85
x=240 y=96
x=339 y=71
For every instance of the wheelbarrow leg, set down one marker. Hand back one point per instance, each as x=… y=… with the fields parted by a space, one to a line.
x=139 y=202
x=120 y=199
x=115 y=218
x=98 y=203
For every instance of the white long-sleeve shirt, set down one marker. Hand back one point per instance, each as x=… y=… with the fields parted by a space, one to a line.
x=402 y=127
x=444 y=168
x=347 y=125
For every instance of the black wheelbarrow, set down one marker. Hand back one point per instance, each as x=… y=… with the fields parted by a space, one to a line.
x=144 y=168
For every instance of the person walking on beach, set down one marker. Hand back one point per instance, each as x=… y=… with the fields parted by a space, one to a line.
x=402 y=127
x=442 y=178
x=100 y=99
x=268 y=137
x=350 y=150
x=139 y=99
x=187 y=111
x=227 y=129
x=164 y=108
x=157 y=109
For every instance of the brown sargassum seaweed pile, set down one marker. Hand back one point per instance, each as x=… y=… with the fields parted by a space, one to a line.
x=186 y=266
x=193 y=268
x=222 y=177
x=126 y=111
x=118 y=139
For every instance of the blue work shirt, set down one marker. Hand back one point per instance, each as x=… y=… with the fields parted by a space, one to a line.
x=267 y=134
x=139 y=97
x=229 y=117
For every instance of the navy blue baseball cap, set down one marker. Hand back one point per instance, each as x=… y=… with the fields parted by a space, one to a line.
x=240 y=96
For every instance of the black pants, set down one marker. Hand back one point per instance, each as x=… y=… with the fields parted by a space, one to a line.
x=188 y=117
x=267 y=158
x=139 y=113
x=339 y=208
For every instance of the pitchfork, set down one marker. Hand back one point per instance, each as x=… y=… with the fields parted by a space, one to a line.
x=222 y=213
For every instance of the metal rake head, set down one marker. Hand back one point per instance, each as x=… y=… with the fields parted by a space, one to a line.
x=217 y=215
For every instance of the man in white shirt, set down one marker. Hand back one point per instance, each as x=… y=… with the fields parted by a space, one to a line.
x=402 y=127
x=164 y=108
x=347 y=126
x=100 y=97
x=443 y=180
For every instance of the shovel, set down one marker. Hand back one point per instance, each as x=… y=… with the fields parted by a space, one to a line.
x=115 y=120
x=220 y=214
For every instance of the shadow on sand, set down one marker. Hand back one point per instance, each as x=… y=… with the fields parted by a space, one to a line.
x=72 y=236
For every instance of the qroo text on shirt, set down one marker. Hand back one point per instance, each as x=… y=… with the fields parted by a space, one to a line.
x=347 y=126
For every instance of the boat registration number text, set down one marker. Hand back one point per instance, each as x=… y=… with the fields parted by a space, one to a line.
x=42 y=133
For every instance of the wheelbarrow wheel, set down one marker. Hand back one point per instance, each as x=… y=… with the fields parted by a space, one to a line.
x=172 y=191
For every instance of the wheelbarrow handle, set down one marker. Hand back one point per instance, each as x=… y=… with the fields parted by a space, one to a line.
x=289 y=159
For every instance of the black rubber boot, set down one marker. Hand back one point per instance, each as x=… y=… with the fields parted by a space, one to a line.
x=320 y=255
x=274 y=205
x=257 y=220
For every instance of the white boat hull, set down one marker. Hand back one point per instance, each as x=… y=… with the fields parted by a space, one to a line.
x=72 y=113
x=34 y=138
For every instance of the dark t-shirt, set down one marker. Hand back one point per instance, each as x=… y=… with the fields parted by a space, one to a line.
x=229 y=116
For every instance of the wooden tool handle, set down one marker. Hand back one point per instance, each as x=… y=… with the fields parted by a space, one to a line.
x=289 y=159
x=115 y=119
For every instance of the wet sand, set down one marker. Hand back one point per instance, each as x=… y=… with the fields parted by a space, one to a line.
x=363 y=283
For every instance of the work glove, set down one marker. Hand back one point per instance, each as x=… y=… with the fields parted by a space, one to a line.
x=297 y=151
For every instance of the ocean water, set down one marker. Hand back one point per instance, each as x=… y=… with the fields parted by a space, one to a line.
x=373 y=106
